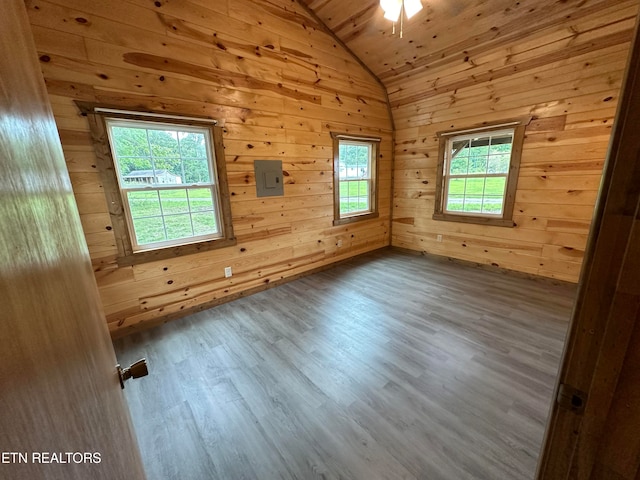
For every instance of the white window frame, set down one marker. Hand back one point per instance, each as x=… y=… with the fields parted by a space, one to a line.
x=124 y=188
x=129 y=252
x=446 y=139
x=447 y=175
x=373 y=146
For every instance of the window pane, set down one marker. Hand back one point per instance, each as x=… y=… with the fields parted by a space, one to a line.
x=144 y=204
x=192 y=145
x=484 y=154
x=354 y=196
x=147 y=156
x=492 y=204
x=178 y=226
x=347 y=206
x=471 y=182
x=152 y=159
x=149 y=230
x=455 y=203
x=476 y=195
x=164 y=143
x=200 y=199
x=478 y=164
x=168 y=171
x=480 y=146
x=130 y=142
x=362 y=153
x=348 y=190
x=354 y=161
x=174 y=201
x=204 y=223
x=457 y=186
x=499 y=163
x=473 y=193
x=495 y=186
x=472 y=204
x=135 y=171
x=501 y=144
x=355 y=170
x=459 y=166
x=196 y=171
x=475 y=186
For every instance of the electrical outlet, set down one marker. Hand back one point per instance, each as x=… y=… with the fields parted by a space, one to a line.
x=340 y=243
x=227 y=272
x=438 y=238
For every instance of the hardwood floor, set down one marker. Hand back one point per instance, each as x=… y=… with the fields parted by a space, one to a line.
x=391 y=366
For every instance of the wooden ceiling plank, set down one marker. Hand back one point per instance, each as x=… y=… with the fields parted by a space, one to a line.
x=511 y=33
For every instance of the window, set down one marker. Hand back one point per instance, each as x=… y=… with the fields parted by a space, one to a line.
x=355 y=169
x=478 y=174
x=165 y=181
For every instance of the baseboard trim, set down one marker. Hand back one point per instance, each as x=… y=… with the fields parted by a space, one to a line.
x=141 y=326
x=484 y=266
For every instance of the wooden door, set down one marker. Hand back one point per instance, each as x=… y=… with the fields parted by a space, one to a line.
x=600 y=439
x=62 y=412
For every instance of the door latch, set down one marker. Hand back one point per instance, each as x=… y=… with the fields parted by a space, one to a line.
x=135 y=370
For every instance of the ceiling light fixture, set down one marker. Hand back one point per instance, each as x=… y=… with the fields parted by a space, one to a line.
x=394 y=9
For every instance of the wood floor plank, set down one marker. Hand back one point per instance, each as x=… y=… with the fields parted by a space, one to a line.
x=390 y=366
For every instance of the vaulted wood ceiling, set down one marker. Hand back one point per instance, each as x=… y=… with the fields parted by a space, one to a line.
x=444 y=32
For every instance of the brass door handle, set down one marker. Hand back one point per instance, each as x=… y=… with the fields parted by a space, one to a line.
x=135 y=370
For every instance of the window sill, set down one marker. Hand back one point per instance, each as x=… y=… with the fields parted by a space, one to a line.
x=174 y=251
x=354 y=218
x=494 y=222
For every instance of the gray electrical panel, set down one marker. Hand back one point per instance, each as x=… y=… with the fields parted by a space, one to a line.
x=269 y=181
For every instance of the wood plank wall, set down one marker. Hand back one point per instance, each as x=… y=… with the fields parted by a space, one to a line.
x=602 y=353
x=567 y=75
x=277 y=83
